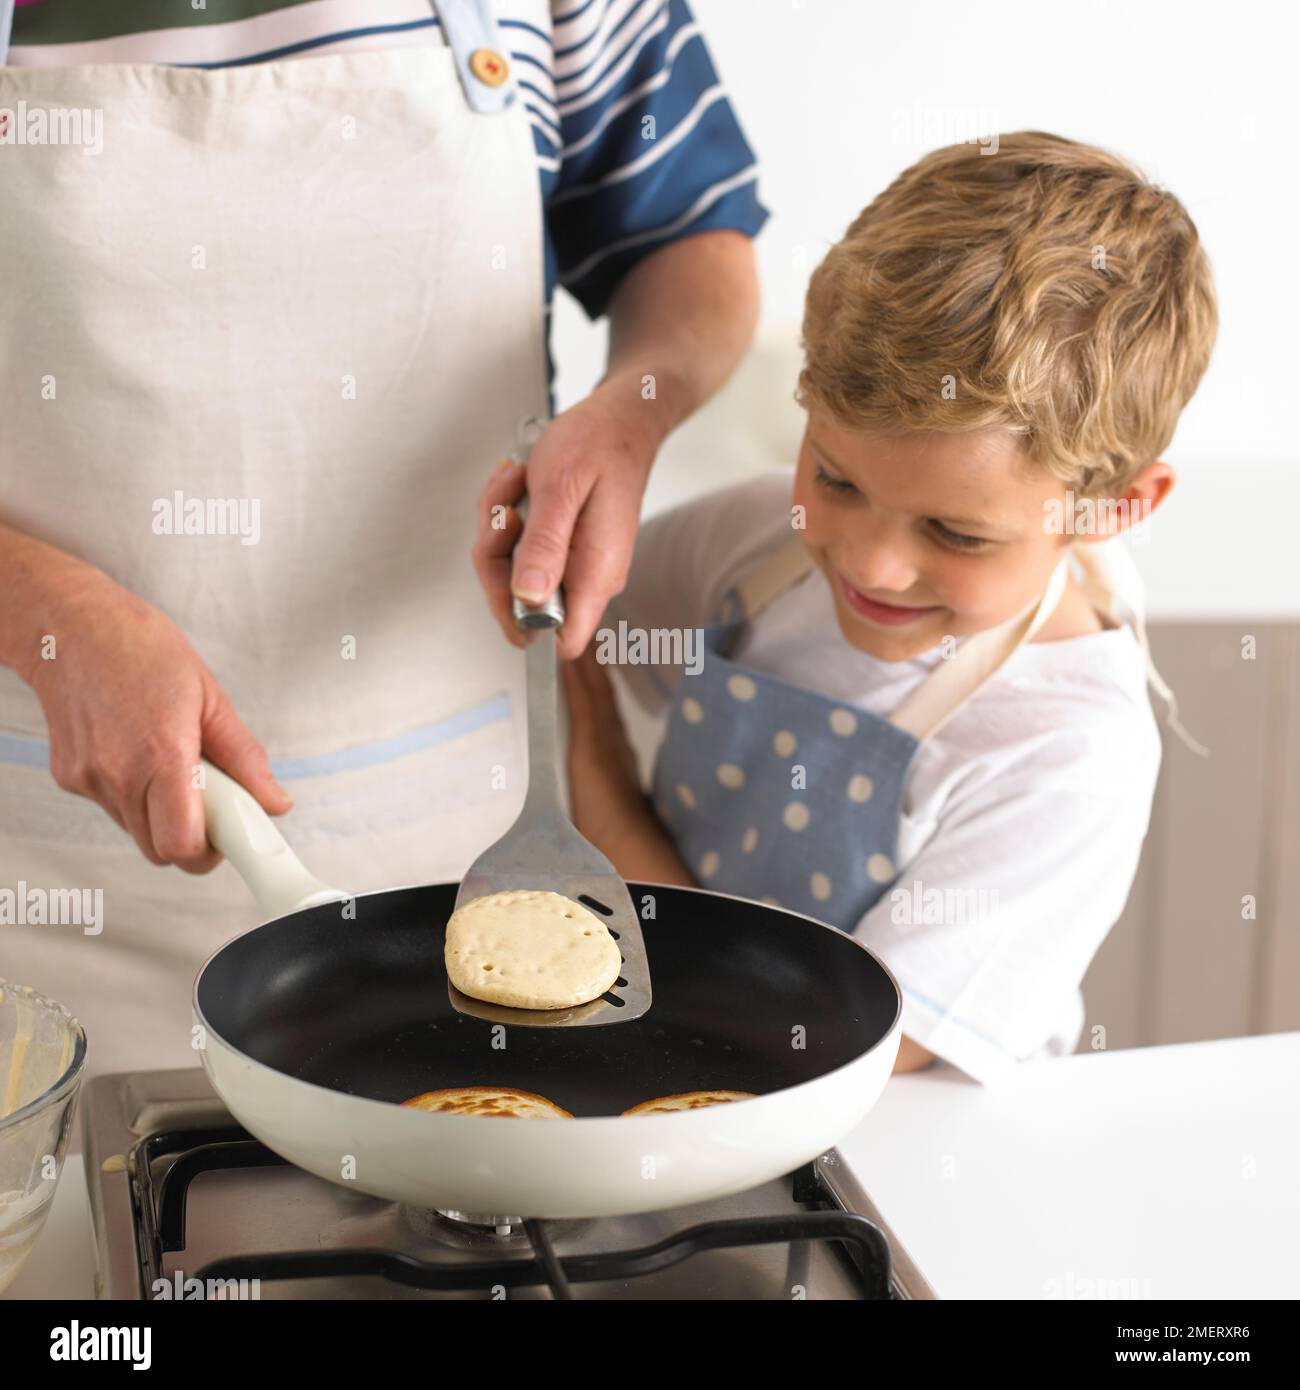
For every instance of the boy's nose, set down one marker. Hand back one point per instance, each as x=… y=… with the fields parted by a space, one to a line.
x=882 y=569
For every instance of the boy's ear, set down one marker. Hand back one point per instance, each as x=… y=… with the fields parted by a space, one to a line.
x=1149 y=489
x=1145 y=492
x=1155 y=482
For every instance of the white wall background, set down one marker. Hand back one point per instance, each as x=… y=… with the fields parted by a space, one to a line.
x=838 y=96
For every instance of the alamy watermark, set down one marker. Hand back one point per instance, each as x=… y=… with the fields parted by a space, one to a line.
x=946 y=125
x=178 y=1288
x=935 y=907
x=179 y=515
x=1098 y=516
x=71 y=1341
x=53 y=125
x=1072 y=1286
x=656 y=646
x=52 y=907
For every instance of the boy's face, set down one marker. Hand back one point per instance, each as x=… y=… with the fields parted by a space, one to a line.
x=924 y=536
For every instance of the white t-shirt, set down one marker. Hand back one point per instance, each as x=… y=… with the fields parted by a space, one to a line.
x=1031 y=801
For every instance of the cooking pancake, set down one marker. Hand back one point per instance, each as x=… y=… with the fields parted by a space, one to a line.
x=688 y=1100
x=499 y=1101
x=530 y=949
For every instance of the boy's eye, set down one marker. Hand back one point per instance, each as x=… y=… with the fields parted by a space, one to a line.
x=840 y=485
x=957 y=539
x=954 y=540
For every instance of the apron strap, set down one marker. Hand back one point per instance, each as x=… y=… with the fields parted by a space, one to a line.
x=953 y=682
x=943 y=692
x=470 y=28
x=946 y=688
x=6 y=29
x=1099 y=562
x=1094 y=578
x=772 y=576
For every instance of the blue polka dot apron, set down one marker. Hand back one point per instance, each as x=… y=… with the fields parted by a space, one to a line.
x=781 y=794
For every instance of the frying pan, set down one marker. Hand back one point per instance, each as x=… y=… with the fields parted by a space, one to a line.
x=316 y=1025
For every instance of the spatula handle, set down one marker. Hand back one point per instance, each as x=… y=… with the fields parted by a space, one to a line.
x=550 y=611
x=540 y=662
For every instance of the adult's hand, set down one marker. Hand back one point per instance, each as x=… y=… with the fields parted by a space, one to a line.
x=585 y=478
x=130 y=708
x=679 y=322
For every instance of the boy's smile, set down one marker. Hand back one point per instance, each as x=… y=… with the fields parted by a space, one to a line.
x=890 y=614
x=927 y=535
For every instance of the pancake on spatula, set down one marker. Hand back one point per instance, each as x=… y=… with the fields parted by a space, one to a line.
x=530 y=949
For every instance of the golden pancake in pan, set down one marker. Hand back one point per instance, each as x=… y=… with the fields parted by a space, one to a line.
x=688 y=1100
x=500 y=1101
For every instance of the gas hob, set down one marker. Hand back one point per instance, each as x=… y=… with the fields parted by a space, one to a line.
x=186 y=1204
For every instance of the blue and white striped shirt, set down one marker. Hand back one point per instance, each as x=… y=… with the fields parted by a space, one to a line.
x=637 y=143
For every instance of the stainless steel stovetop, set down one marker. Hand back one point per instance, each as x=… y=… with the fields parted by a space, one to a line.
x=178 y=1191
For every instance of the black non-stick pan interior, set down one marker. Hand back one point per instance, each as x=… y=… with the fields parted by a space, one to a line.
x=746 y=998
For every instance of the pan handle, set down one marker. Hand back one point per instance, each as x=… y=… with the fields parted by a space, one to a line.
x=246 y=835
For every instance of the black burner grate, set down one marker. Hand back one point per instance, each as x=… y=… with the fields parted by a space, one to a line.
x=161 y=1207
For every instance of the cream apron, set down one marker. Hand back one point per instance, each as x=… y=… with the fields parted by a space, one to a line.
x=312 y=288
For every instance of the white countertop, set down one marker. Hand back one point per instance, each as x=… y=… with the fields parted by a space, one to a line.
x=1161 y=1172
x=1167 y=1172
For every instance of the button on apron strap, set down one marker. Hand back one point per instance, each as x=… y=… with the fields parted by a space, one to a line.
x=471 y=30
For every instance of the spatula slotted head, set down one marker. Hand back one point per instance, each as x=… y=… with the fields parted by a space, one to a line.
x=607 y=896
x=543 y=852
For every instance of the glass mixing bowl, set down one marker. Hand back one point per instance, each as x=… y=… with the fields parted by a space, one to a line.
x=42 y=1057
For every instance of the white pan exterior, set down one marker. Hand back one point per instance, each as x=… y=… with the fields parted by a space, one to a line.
x=547 y=1168
x=493 y=1166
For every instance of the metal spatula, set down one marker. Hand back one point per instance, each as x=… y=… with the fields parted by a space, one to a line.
x=543 y=850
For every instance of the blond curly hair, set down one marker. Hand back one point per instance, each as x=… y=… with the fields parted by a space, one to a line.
x=1048 y=289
